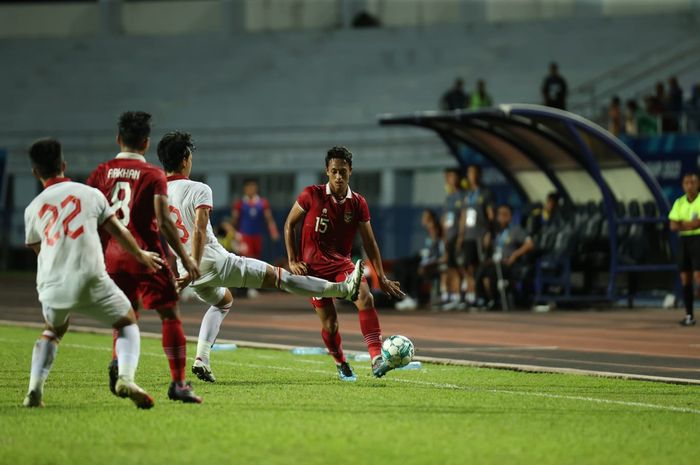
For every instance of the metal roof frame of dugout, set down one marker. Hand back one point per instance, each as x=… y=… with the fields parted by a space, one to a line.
x=540 y=149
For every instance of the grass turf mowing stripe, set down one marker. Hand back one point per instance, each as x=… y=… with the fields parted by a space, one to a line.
x=643 y=405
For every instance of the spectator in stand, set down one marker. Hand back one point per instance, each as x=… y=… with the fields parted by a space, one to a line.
x=510 y=246
x=249 y=216
x=693 y=109
x=615 y=123
x=481 y=98
x=554 y=88
x=455 y=98
x=631 y=110
x=648 y=119
x=673 y=106
x=475 y=222
x=450 y=227
x=427 y=267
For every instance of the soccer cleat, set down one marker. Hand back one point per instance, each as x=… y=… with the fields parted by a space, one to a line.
x=203 y=372
x=183 y=392
x=688 y=321
x=113 y=376
x=137 y=395
x=33 y=399
x=345 y=372
x=380 y=367
x=354 y=280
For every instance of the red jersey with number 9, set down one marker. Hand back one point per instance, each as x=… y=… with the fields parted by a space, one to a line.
x=130 y=184
x=329 y=228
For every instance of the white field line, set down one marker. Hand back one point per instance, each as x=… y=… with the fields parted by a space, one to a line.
x=450 y=386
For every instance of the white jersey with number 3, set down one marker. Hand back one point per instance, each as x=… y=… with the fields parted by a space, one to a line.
x=185 y=197
x=64 y=219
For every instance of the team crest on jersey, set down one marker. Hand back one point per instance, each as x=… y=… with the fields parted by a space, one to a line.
x=347 y=217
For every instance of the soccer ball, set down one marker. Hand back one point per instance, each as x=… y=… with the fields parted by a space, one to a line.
x=397 y=351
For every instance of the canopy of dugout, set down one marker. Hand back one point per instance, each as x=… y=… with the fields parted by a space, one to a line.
x=541 y=149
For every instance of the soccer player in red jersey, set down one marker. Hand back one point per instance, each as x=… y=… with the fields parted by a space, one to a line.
x=138 y=192
x=331 y=215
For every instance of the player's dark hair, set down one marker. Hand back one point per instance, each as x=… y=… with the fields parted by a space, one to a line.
x=46 y=157
x=506 y=206
x=250 y=181
x=340 y=153
x=689 y=174
x=173 y=148
x=553 y=196
x=456 y=171
x=134 y=129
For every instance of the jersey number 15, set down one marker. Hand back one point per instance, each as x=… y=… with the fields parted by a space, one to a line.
x=321 y=225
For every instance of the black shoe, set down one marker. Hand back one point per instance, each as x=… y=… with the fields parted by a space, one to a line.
x=113 y=376
x=687 y=321
x=203 y=372
x=183 y=392
x=345 y=372
x=380 y=367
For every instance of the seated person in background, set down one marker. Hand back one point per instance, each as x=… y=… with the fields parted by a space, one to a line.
x=510 y=245
x=427 y=266
x=544 y=217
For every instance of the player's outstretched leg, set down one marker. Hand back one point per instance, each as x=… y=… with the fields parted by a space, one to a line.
x=128 y=348
x=42 y=359
x=310 y=286
x=175 y=347
x=208 y=332
x=331 y=338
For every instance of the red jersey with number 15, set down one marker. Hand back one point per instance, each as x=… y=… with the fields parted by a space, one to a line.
x=130 y=184
x=329 y=228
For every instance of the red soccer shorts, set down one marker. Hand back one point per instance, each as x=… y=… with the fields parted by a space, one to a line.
x=340 y=274
x=156 y=290
x=254 y=243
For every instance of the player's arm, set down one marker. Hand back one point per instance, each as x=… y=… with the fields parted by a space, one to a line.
x=393 y=288
x=461 y=227
x=201 y=221
x=271 y=225
x=527 y=246
x=166 y=226
x=150 y=260
x=235 y=214
x=685 y=225
x=295 y=216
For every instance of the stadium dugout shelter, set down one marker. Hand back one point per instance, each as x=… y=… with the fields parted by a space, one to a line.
x=614 y=209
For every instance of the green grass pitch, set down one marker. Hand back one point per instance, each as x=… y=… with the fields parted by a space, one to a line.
x=271 y=407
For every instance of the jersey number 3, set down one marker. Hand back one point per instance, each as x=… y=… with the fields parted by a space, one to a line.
x=120 y=200
x=179 y=224
x=53 y=210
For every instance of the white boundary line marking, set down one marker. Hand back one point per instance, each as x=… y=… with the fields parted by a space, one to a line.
x=435 y=360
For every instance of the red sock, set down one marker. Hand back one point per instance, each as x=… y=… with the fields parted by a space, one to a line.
x=175 y=348
x=371 y=330
x=334 y=344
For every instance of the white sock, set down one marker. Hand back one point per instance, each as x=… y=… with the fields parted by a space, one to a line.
x=211 y=323
x=454 y=297
x=308 y=286
x=128 y=351
x=42 y=358
x=444 y=296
